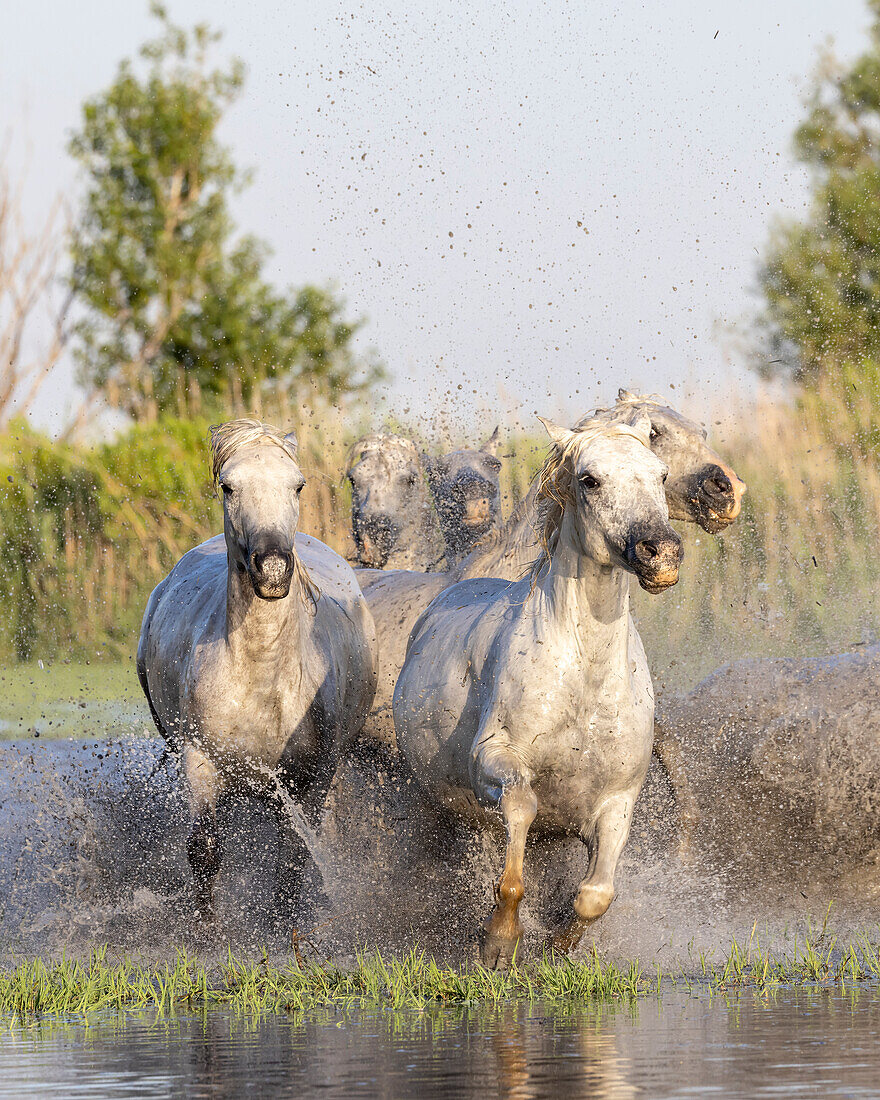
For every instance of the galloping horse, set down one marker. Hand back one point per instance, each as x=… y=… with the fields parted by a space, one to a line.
x=534 y=699
x=257 y=652
x=700 y=488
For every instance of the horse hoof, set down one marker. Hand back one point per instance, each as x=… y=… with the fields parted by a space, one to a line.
x=498 y=952
x=568 y=937
x=203 y=912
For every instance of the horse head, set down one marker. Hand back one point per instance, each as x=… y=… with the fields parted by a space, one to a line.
x=465 y=488
x=701 y=487
x=389 y=499
x=602 y=488
x=259 y=481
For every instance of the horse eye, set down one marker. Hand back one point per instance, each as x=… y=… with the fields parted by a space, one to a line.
x=300 y=487
x=226 y=487
x=590 y=482
x=665 y=476
x=654 y=432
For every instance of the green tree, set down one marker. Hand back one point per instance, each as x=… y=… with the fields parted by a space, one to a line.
x=175 y=312
x=821 y=276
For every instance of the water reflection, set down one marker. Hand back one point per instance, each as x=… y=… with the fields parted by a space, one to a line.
x=800 y=1044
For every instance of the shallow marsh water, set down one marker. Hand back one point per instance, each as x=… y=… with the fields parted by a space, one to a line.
x=810 y=1043
x=92 y=850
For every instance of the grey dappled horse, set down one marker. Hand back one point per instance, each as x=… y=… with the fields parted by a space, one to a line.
x=394 y=525
x=533 y=699
x=466 y=491
x=257 y=653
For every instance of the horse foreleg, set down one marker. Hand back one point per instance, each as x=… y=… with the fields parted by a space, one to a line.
x=293 y=852
x=669 y=752
x=596 y=891
x=204 y=845
x=518 y=804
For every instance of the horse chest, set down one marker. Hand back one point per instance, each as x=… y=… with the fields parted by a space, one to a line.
x=260 y=724
x=584 y=741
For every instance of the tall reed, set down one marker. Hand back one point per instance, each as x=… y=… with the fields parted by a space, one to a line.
x=85 y=533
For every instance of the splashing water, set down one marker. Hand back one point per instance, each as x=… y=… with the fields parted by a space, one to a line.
x=93 y=849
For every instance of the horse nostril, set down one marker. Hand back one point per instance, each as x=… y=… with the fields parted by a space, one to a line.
x=646 y=551
x=381 y=529
x=271 y=561
x=719 y=485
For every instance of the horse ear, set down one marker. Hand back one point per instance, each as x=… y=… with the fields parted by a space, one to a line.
x=626 y=395
x=292 y=442
x=642 y=424
x=490 y=447
x=557 y=434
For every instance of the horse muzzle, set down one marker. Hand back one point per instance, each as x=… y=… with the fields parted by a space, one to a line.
x=375 y=538
x=718 y=498
x=655 y=560
x=476 y=512
x=473 y=502
x=270 y=572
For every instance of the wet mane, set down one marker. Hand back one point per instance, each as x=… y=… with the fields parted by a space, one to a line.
x=378 y=442
x=554 y=481
x=624 y=397
x=230 y=437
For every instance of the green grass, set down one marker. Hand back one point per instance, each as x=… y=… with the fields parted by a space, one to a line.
x=61 y=700
x=414 y=982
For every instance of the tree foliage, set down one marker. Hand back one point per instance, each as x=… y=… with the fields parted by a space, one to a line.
x=821 y=277
x=176 y=314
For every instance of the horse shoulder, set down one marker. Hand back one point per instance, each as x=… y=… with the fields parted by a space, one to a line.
x=182 y=623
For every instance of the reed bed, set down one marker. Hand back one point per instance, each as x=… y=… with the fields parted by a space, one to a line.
x=416 y=982
x=85 y=533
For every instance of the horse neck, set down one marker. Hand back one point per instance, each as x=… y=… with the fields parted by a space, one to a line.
x=256 y=628
x=457 y=545
x=509 y=550
x=586 y=602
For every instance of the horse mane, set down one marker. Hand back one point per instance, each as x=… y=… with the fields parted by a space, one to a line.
x=230 y=437
x=554 y=481
x=378 y=442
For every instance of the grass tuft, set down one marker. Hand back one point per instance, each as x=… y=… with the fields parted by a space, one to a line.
x=412 y=982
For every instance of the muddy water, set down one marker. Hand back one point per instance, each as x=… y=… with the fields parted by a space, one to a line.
x=795 y=1043
x=93 y=850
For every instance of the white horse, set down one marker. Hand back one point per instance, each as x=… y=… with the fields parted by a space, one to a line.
x=534 y=698
x=701 y=488
x=257 y=652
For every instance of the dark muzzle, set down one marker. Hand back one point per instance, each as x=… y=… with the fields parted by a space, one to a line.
x=376 y=536
x=473 y=500
x=718 y=497
x=270 y=570
x=655 y=558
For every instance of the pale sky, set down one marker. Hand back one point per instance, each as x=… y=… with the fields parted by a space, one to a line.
x=538 y=202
